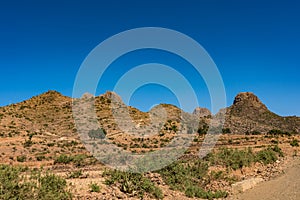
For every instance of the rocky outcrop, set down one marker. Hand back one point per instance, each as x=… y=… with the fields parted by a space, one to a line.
x=248 y=114
x=202 y=112
x=87 y=96
x=245 y=185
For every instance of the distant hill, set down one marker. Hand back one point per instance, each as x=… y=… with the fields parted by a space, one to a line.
x=46 y=113
x=51 y=113
x=249 y=114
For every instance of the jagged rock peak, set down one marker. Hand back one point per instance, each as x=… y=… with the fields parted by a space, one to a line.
x=202 y=112
x=247 y=98
x=87 y=96
x=113 y=96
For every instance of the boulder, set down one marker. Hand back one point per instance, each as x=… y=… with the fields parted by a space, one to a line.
x=245 y=185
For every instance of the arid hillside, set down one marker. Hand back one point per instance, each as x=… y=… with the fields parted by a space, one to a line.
x=249 y=114
x=41 y=132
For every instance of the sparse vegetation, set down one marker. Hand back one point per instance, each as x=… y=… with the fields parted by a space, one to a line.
x=40 y=157
x=77 y=160
x=266 y=156
x=187 y=176
x=226 y=130
x=236 y=159
x=29 y=143
x=132 y=183
x=203 y=130
x=100 y=133
x=232 y=158
x=50 y=118
x=15 y=185
x=294 y=143
x=94 y=187
x=278 y=150
x=274 y=141
x=75 y=174
x=63 y=159
x=21 y=158
x=255 y=132
x=194 y=191
x=274 y=132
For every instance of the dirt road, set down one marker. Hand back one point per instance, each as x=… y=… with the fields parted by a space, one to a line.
x=285 y=187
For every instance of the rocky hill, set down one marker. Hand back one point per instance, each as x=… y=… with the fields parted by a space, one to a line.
x=42 y=131
x=48 y=119
x=48 y=113
x=51 y=114
x=248 y=114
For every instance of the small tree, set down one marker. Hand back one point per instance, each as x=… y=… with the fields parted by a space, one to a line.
x=203 y=130
x=226 y=130
x=100 y=133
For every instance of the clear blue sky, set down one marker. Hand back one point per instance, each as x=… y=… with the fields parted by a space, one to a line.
x=255 y=44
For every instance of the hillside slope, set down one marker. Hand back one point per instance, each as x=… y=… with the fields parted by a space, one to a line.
x=249 y=114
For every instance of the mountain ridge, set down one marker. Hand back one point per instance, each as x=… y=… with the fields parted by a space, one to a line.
x=52 y=109
x=109 y=93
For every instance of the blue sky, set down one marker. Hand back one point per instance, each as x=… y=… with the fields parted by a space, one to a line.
x=255 y=44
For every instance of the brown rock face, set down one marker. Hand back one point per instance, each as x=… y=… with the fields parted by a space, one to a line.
x=202 y=112
x=249 y=114
x=87 y=96
x=112 y=96
x=248 y=99
x=246 y=104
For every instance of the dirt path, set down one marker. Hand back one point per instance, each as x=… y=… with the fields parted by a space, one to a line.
x=285 y=187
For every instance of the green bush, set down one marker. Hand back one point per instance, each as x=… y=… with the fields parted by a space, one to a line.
x=15 y=184
x=52 y=187
x=63 y=159
x=27 y=143
x=278 y=150
x=174 y=128
x=40 y=157
x=294 y=143
x=226 y=130
x=274 y=141
x=51 y=144
x=279 y=132
x=203 y=130
x=255 y=132
x=132 y=183
x=21 y=158
x=75 y=174
x=100 y=133
x=94 y=187
x=12 y=185
x=179 y=174
x=266 y=156
x=187 y=176
x=77 y=160
x=193 y=191
x=232 y=158
x=236 y=159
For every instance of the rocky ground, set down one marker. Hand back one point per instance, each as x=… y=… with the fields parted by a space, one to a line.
x=285 y=186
